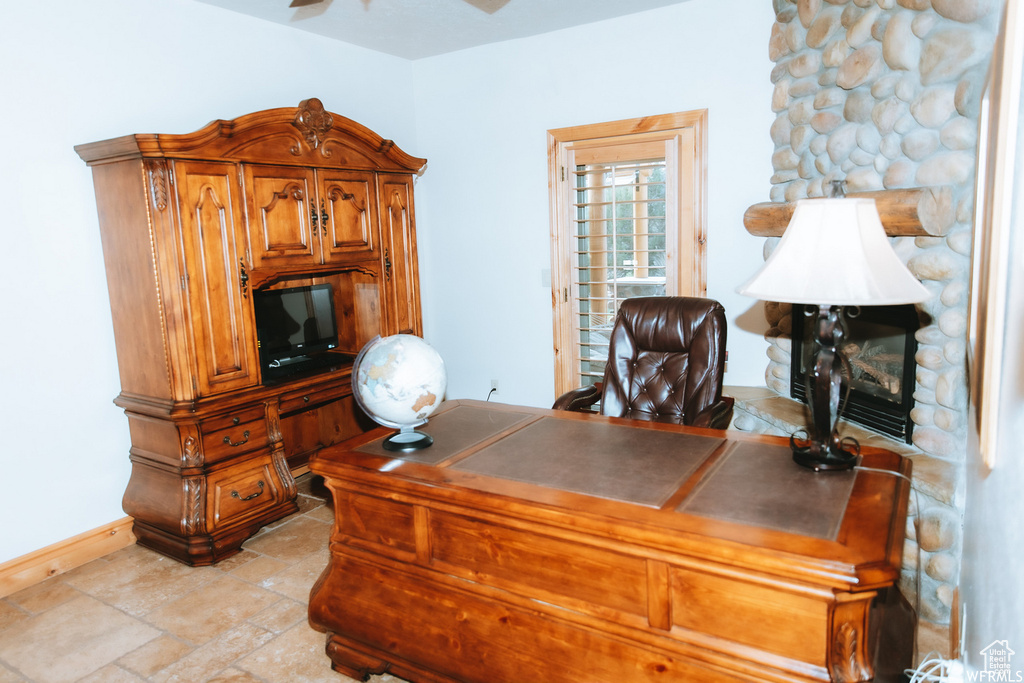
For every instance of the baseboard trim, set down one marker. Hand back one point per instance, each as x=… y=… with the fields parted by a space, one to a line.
x=28 y=570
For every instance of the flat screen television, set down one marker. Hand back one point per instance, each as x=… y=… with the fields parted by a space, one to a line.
x=294 y=324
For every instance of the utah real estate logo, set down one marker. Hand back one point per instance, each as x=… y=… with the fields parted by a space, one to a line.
x=998 y=664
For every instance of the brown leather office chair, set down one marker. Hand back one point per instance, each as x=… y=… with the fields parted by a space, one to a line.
x=666 y=362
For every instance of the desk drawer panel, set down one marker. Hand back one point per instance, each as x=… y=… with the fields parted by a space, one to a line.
x=530 y=562
x=775 y=619
x=384 y=526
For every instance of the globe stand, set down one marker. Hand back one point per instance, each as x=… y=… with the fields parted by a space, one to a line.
x=408 y=439
x=398 y=381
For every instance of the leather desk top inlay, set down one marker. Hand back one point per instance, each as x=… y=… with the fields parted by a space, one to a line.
x=454 y=431
x=760 y=485
x=590 y=459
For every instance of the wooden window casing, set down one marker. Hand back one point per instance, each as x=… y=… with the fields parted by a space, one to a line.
x=681 y=140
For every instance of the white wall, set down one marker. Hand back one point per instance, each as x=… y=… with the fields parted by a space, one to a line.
x=76 y=72
x=482 y=206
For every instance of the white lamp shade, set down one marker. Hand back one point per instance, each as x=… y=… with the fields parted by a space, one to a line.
x=835 y=252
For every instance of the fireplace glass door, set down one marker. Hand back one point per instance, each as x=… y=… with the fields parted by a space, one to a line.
x=880 y=348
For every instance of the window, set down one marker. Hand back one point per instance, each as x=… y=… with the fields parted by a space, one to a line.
x=627 y=203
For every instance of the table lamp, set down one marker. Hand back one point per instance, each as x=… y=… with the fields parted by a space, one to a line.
x=833 y=255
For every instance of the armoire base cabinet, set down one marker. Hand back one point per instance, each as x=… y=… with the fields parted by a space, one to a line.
x=195 y=228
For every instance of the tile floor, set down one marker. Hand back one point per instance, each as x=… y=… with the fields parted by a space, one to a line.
x=136 y=615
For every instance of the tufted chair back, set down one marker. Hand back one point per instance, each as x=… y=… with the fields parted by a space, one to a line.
x=666 y=359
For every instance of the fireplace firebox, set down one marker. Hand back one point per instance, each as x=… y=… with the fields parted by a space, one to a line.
x=880 y=347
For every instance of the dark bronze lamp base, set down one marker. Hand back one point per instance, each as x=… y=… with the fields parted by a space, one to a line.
x=823 y=449
x=824 y=460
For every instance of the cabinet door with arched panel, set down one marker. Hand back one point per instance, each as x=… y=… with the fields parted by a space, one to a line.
x=399 y=260
x=283 y=217
x=348 y=222
x=216 y=284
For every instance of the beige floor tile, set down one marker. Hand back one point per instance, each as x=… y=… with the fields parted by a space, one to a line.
x=44 y=596
x=8 y=676
x=211 y=609
x=155 y=655
x=296 y=539
x=296 y=582
x=138 y=580
x=72 y=640
x=307 y=502
x=259 y=569
x=296 y=655
x=216 y=656
x=323 y=513
x=11 y=615
x=112 y=674
x=237 y=560
x=281 y=616
x=234 y=676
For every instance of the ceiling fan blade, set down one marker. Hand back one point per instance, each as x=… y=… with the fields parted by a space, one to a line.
x=489 y=6
x=304 y=3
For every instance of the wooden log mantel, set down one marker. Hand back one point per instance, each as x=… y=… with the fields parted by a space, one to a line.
x=916 y=212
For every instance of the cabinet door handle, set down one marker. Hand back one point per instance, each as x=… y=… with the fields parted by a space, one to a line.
x=243 y=278
x=245 y=435
x=324 y=217
x=314 y=216
x=387 y=266
x=236 y=494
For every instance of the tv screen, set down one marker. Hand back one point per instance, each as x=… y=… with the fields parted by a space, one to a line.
x=295 y=322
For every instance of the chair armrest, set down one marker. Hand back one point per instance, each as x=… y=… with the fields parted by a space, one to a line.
x=580 y=399
x=717 y=415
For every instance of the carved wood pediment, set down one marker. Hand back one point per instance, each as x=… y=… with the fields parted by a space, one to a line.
x=304 y=135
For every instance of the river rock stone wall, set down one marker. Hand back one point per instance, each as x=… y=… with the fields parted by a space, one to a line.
x=885 y=94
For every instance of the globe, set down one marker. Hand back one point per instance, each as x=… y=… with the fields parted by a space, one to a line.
x=399 y=381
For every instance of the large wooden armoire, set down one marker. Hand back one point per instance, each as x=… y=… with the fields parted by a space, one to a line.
x=193 y=226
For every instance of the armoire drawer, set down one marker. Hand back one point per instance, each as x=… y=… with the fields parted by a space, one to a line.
x=233 y=435
x=239 y=493
x=294 y=401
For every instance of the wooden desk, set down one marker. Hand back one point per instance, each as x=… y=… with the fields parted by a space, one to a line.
x=534 y=546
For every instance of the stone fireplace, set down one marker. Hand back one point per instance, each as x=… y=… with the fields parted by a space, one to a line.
x=885 y=94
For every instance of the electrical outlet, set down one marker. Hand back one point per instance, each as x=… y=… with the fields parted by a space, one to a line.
x=494 y=386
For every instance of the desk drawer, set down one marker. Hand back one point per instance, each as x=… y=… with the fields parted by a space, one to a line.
x=383 y=526
x=773 y=616
x=235 y=434
x=239 y=493
x=565 y=572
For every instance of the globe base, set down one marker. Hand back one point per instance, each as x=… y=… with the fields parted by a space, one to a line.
x=407 y=440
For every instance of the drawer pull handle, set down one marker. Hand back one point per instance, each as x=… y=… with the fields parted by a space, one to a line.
x=236 y=494
x=228 y=441
x=305 y=399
